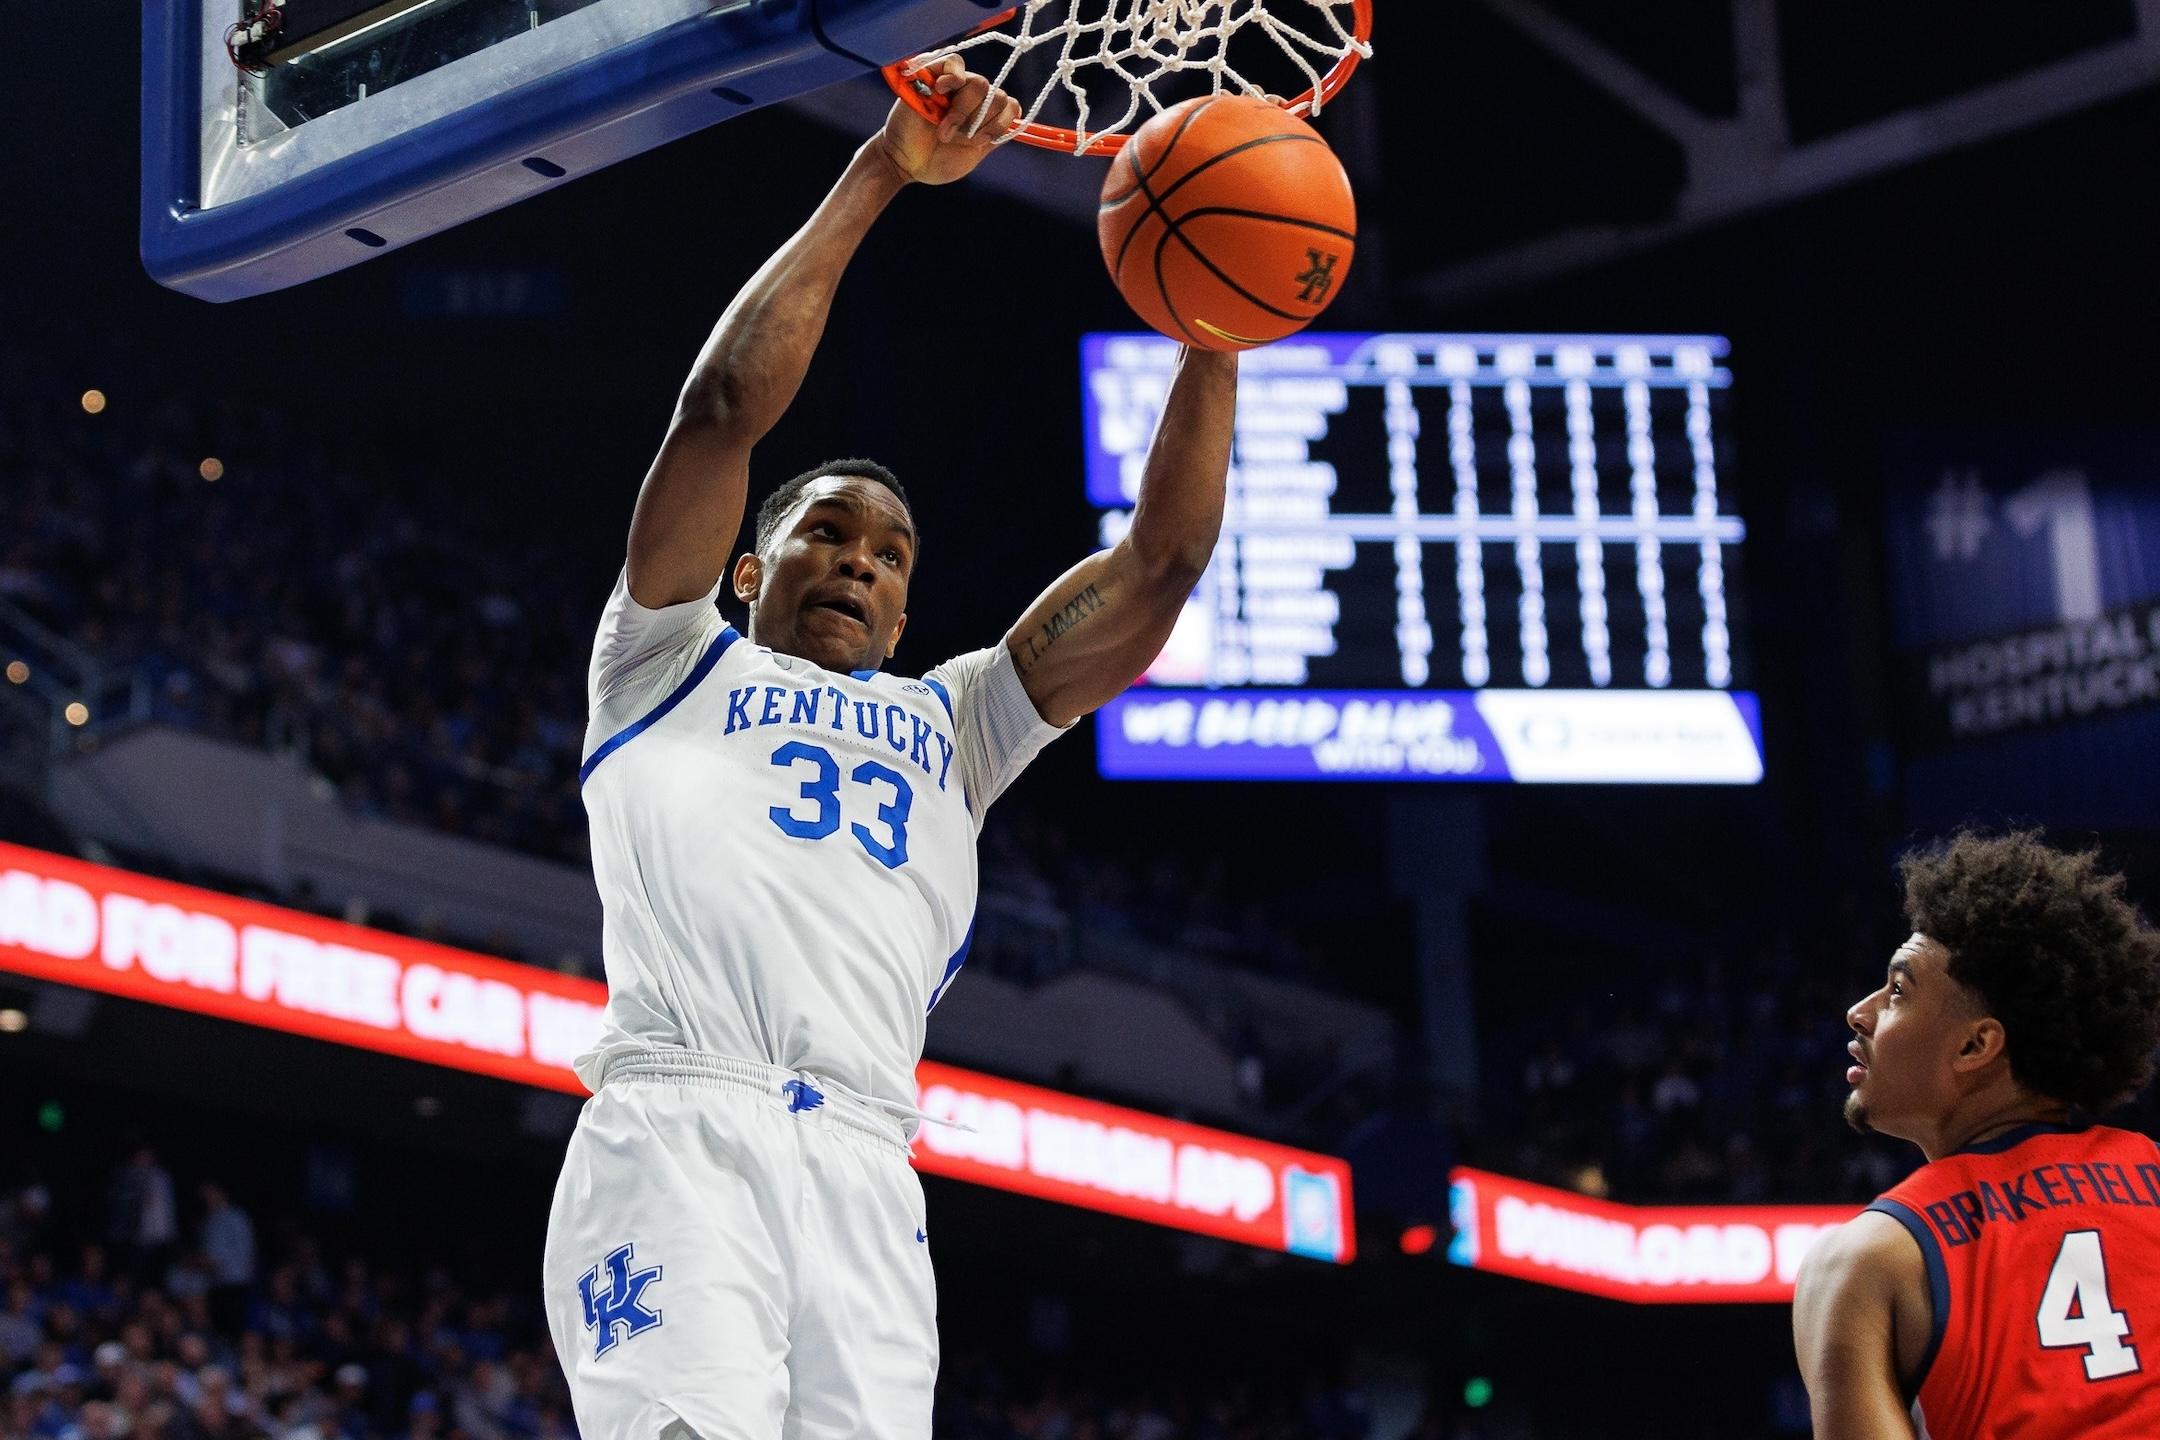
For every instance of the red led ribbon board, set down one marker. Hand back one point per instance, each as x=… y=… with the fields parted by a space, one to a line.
x=1123 y=1162
x=151 y=940
x=1666 y=1254
x=124 y=934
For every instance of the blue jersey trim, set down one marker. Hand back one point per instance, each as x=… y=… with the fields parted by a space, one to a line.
x=864 y=674
x=952 y=968
x=944 y=698
x=1938 y=1277
x=624 y=736
x=2010 y=1139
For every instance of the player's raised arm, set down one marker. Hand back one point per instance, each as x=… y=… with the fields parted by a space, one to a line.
x=692 y=500
x=1106 y=619
x=1861 y=1301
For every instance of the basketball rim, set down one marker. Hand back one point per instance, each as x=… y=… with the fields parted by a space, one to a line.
x=903 y=77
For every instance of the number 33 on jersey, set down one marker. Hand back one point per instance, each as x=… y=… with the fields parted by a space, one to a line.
x=787 y=855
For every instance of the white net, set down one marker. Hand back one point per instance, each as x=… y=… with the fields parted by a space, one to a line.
x=1072 y=63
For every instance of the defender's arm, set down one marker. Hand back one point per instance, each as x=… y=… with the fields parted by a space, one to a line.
x=1106 y=619
x=692 y=500
x=1845 y=1328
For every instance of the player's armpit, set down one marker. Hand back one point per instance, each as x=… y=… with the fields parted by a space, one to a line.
x=1845 y=1328
x=1092 y=633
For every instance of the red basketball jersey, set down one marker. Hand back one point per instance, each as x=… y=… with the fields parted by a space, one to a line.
x=2043 y=1264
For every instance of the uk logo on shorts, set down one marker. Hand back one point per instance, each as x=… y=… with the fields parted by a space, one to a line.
x=620 y=1311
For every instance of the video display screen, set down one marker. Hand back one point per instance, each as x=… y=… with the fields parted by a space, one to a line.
x=1446 y=557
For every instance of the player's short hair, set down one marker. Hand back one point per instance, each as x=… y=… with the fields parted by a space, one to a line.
x=2056 y=952
x=783 y=498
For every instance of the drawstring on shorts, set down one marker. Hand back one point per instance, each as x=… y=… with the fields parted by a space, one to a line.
x=884 y=1120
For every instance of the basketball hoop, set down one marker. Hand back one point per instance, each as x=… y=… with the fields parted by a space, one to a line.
x=1116 y=59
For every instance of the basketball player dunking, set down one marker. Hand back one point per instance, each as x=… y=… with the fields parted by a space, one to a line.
x=784 y=839
x=2011 y=1286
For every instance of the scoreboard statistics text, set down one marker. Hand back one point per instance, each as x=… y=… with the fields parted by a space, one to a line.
x=1445 y=557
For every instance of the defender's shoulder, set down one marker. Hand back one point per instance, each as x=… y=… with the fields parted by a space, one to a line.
x=1874 y=1243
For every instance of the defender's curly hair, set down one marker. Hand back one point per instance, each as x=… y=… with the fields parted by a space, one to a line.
x=2055 y=951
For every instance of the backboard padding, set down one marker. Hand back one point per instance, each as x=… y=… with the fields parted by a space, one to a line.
x=414 y=160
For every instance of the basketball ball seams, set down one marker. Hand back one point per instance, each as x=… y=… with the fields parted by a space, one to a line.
x=1183 y=126
x=1180 y=134
x=1173 y=229
x=1140 y=183
x=1302 y=224
x=1131 y=162
x=1140 y=186
x=1162 y=285
x=1129 y=158
x=1174 y=233
x=1156 y=202
x=1241 y=249
x=1239 y=149
x=1141 y=177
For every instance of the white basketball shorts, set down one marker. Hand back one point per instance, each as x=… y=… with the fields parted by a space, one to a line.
x=738 y=1253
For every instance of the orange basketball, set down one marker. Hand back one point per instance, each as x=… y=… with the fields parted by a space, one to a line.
x=1227 y=223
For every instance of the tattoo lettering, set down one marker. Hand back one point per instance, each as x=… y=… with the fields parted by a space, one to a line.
x=1086 y=603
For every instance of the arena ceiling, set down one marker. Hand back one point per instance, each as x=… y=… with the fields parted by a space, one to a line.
x=1498 y=143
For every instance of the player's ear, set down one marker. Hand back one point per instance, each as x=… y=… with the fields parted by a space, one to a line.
x=1985 y=1042
x=749 y=575
x=892 y=646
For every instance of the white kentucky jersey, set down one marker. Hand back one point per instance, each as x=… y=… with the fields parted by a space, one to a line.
x=786 y=855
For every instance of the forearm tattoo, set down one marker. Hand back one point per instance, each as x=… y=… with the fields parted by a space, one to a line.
x=1077 y=609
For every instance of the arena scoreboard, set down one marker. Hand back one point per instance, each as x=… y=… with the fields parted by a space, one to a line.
x=1446 y=557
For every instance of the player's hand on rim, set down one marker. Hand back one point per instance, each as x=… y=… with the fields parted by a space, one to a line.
x=976 y=119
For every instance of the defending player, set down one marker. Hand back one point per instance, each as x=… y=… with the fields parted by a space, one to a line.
x=2010 y=1286
x=784 y=839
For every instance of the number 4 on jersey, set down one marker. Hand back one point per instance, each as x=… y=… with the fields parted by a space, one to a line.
x=2075 y=1311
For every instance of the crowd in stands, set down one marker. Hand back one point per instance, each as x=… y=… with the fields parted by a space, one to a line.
x=178 y=1320
x=159 y=1309
x=1721 y=1081
x=430 y=669
x=1713 y=1073
x=981 y=1399
x=1707 y=1086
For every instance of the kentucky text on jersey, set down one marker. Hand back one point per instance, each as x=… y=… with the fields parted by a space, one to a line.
x=785 y=854
x=1959 y=1219
x=752 y=707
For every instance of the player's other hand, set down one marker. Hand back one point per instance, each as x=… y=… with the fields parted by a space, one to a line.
x=944 y=152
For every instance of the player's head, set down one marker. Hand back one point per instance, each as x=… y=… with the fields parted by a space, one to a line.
x=2028 y=975
x=829 y=578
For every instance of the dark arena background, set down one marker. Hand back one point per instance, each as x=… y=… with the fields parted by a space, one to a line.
x=1316 y=1092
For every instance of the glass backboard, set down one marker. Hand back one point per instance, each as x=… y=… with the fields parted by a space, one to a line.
x=363 y=125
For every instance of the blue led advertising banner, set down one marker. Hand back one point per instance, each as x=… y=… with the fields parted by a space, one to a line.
x=2024 y=579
